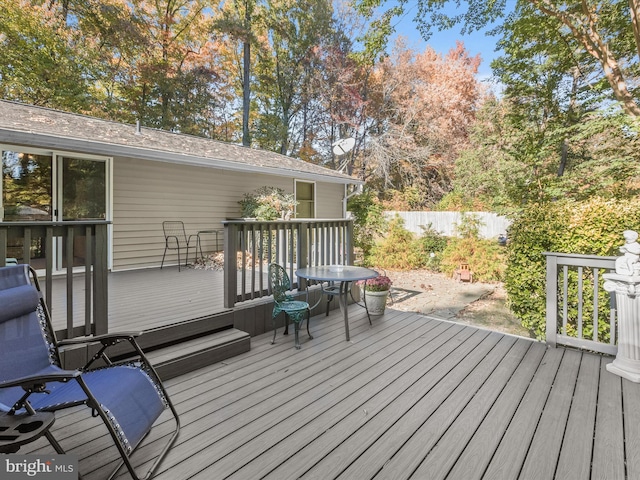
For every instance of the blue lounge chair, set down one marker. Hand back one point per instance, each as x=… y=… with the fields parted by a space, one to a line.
x=127 y=396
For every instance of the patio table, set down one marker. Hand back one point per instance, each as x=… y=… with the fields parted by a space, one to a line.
x=345 y=274
x=200 y=233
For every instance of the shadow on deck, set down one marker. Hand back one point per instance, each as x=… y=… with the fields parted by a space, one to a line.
x=409 y=397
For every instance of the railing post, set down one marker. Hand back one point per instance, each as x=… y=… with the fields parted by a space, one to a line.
x=3 y=246
x=303 y=252
x=100 y=282
x=552 y=300
x=69 y=230
x=230 y=267
x=349 y=243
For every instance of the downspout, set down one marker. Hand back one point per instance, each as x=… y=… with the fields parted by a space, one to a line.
x=347 y=196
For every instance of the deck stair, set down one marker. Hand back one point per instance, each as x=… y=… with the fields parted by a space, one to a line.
x=181 y=347
x=186 y=356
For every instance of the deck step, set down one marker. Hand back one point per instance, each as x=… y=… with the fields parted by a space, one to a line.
x=190 y=355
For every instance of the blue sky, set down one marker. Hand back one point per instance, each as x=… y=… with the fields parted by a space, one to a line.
x=442 y=42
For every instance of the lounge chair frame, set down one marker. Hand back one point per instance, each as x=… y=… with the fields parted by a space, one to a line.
x=54 y=374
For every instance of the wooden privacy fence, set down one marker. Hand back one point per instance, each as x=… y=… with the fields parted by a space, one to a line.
x=580 y=313
x=80 y=247
x=491 y=224
x=251 y=245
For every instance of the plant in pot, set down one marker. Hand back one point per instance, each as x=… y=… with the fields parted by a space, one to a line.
x=375 y=292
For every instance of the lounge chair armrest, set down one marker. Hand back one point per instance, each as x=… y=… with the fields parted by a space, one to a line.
x=61 y=376
x=105 y=339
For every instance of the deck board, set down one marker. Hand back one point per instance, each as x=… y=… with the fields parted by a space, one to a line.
x=608 y=448
x=575 y=454
x=409 y=397
x=436 y=461
x=549 y=432
x=149 y=298
x=631 y=402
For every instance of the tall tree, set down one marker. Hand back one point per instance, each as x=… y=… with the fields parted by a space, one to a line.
x=606 y=30
x=38 y=61
x=428 y=106
x=294 y=29
x=241 y=21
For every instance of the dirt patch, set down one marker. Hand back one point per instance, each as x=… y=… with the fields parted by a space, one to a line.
x=480 y=304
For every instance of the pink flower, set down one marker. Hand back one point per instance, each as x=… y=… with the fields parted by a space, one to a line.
x=379 y=284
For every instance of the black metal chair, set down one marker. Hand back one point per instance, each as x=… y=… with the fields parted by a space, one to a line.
x=297 y=310
x=175 y=238
x=128 y=396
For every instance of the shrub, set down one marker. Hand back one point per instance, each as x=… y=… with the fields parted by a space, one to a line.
x=430 y=246
x=593 y=227
x=368 y=222
x=469 y=226
x=486 y=259
x=397 y=250
x=268 y=203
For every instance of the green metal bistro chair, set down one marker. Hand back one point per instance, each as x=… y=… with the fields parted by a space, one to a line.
x=294 y=309
x=127 y=396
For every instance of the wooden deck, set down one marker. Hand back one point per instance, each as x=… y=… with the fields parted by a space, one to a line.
x=409 y=397
x=150 y=298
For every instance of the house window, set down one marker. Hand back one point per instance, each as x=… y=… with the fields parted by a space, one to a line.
x=39 y=185
x=26 y=186
x=306 y=198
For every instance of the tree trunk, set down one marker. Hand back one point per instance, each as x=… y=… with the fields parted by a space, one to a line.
x=246 y=94
x=585 y=31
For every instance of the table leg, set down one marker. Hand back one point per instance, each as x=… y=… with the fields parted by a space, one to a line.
x=344 y=290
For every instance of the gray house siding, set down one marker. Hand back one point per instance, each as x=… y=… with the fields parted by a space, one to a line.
x=146 y=193
x=329 y=200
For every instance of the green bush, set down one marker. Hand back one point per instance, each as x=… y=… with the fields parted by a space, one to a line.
x=368 y=222
x=430 y=246
x=486 y=259
x=268 y=203
x=400 y=249
x=593 y=227
x=397 y=250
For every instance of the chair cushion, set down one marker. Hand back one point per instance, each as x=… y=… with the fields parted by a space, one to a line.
x=126 y=392
x=17 y=301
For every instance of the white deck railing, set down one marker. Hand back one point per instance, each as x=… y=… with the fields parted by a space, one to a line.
x=580 y=313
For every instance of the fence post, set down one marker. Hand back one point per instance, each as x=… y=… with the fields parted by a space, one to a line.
x=230 y=264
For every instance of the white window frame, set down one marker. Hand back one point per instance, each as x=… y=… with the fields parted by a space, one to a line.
x=315 y=195
x=56 y=193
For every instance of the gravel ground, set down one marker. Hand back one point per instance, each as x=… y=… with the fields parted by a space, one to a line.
x=434 y=294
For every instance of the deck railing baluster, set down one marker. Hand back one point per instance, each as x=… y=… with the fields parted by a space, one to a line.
x=581 y=266
x=292 y=243
x=86 y=236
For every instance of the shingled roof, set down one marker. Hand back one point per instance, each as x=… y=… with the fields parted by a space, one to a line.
x=39 y=127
